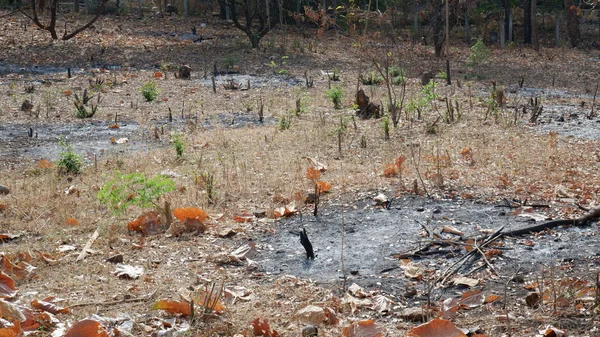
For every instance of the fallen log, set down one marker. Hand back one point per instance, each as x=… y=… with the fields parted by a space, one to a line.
x=584 y=220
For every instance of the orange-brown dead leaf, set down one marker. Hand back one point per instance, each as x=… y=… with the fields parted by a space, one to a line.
x=114 y=126
x=44 y=164
x=158 y=74
x=87 y=328
x=3 y=207
x=263 y=328
x=243 y=218
x=12 y=331
x=312 y=173
x=491 y=298
x=173 y=307
x=323 y=186
x=67 y=93
x=366 y=328
x=436 y=328
x=72 y=222
x=148 y=223
x=7 y=286
x=212 y=303
x=193 y=213
x=391 y=170
x=49 y=307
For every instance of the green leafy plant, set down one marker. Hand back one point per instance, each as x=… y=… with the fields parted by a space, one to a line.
x=336 y=94
x=372 y=78
x=150 y=91
x=125 y=190
x=229 y=61
x=69 y=162
x=284 y=122
x=442 y=75
x=385 y=124
x=479 y=52
x=178 y=145
x=429 y=91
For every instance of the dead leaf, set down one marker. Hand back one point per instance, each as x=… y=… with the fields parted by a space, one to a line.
x=10 y=312
x=148 y=223
x=450 y=307
x=312 y=173
x=382 y=304
x=241 y=218
x=7 y=286
x=533 y=299
x=381 y=199
x=49 y=307
x=288 y=210
x=412 y=270
x=128 y=272
x=467 y=281
x=452 y=230
x=366 y=328
x=87 y=328
x=191 y=213
x=173 y=307
x=357 y=291
x=44 y=164
x=472 y=299
x=317 y=165
x=436 y=328
x=12 y=331
x=208 y=300
x=72 y=222
x=244 y=251
x=323 y=186
x=552 y=332
x=311 y=314
x=356 y=303
x=263 y=328
x=114 y=126
x=491 y=298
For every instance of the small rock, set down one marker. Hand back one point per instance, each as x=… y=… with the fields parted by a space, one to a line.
x=310 y=331
x=26 y=106
x=4 y=190
x=116 y=258
x=420 y=209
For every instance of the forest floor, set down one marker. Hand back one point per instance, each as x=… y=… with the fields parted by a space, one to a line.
x=399 y=214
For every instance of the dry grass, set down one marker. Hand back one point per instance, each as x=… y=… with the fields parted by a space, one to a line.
x=261 y=167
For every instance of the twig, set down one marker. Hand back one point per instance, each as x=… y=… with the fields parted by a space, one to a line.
x=88 y=245
x=485 y=258
x=125 y=300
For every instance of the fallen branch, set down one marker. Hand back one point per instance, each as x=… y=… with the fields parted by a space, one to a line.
x=88 y=245
x=581 y=221
x=458 y=264
x=125 y=300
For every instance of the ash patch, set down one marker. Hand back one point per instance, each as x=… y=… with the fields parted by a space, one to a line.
x=372 y=236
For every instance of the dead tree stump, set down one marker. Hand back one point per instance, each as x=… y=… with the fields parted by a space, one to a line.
x=366 y=109
x=185 y=72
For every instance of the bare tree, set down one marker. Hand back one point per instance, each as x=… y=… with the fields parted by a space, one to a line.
x=49 y=10
x=265 y=12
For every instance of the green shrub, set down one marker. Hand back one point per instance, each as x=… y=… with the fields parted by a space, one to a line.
x=479 y=52
x=69 y=162
x=150 y=91
x=178 y=145
x=336 y=94
x=373 y=78
x=134 y=189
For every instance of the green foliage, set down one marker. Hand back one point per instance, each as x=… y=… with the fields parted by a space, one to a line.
x=209 y=185
x=373 y=78
x=229 y=61
x=479 y=52
x=69 y=162
x=133 y=189
x=178 y=145
x=285 y=121
x=335 y=76
x=150 y=91
x=442 y=75
x=429 y=91
x=385 y=124
x=336 y=94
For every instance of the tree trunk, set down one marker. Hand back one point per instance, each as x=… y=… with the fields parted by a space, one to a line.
x=467 y=27
x=557 y=29
x=254 y=40
x=534 y=34
x=527 y=22
x=186 y=8
x=510 y=27
x=140 y=11
x=572 y=23
x=76 y=5
x=438 y=24
x=502 y=34
x=415 y=22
